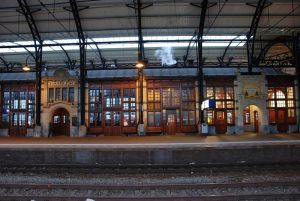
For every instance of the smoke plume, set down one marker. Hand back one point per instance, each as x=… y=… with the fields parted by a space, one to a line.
x=165 y=54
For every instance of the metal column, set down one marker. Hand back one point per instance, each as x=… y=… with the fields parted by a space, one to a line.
x=82 y=52
x=200 y=56
x=38 y=44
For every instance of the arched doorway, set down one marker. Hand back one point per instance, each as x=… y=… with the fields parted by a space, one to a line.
x=252 y=118
x=61 y=122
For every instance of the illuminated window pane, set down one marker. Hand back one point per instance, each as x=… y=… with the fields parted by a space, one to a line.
x=107 y=118
x=220 y=104
x=220 y=94
x=126 y=106
x=157 y=94
x=107 y=98
x=22 y=121
x=132 y=118
x=247 y=117
x=271 y=103
x=229 y=93
x=280 y=103
x=280 y=94
x=56 y=119
x=290 y=92
x=150 y=95
x=126 y=119
x=132 y=94
x=229 y=104
x=117 y=98
x=290 y=103
x=291 y=113
x=30 y=119
x=229 y=117
x=271 y=92
x=23 y=100
x=209 y=92
x=210 y=117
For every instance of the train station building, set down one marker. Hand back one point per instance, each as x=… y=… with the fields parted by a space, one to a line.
x=149 y=68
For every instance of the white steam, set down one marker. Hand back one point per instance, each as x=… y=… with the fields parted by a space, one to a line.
x=165 y=54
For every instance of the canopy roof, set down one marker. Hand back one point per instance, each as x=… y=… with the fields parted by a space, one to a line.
x=168 y=29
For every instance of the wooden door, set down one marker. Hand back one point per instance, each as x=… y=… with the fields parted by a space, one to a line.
x=171 y=122
x=281 y=121
x=18 y=124
x=113 y=125
x=221 y=126
x=61 y=122
x=256 y=126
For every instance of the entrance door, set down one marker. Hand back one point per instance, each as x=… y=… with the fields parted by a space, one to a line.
x=61 y=122
x=256 y=128
x=221 y=126
x=112 y=123
x=281 y=121
x=17 y=125
x=171 y=126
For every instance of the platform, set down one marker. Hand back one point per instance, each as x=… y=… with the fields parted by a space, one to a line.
x=152 y=150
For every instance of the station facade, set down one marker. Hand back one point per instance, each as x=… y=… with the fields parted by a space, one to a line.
x=263 y=102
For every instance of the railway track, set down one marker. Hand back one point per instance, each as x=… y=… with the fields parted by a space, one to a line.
x=205 y=191
x=119 y=169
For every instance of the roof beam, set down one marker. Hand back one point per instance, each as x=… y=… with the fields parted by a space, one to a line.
x=38 y=44
x=252 y=32
x=75 y=10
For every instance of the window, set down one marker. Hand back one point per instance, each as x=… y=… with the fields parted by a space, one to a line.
x=281 y=99
x=171 y=97
x=51 y=95
x=71 y=94
x=224 y=96
x=129 y=107
x=154 y=107
x=107 y=98
x=154 y=118
x=18 y=107
x=188 y=106
x=64 y=92
x=57 y=94
x=247 y=116
x=95 y=107
x=5 y=109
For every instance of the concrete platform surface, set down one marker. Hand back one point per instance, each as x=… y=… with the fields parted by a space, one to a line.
x=139 y=142
x=152 y=150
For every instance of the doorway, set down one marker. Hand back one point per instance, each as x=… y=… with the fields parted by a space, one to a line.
x=61 y=122
x=18 y=124
x=171 y=126
x=252 y=119
x=112 y=123
x=282 y=125
x=256 y=128
x=221 y=127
